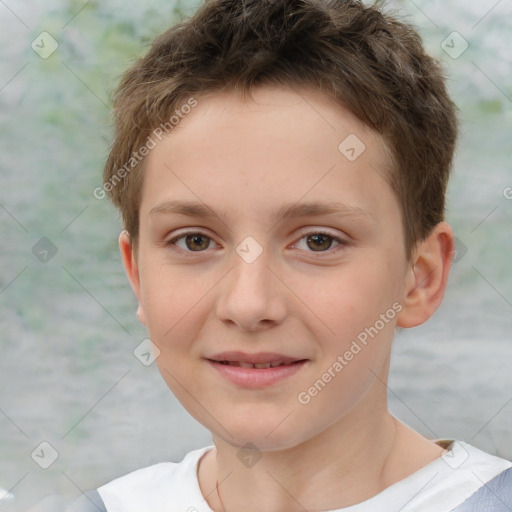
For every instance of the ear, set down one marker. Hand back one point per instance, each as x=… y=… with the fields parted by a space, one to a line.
x=132 y=270
x=427 y=276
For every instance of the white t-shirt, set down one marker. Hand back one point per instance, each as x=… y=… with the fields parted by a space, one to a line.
x=439 y=486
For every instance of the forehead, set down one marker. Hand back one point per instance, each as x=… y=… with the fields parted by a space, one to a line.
x=279 y=145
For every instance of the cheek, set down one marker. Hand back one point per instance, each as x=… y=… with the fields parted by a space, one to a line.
x=351 y=297
x=170 y=300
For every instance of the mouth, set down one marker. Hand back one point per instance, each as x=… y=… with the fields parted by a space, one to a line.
x=255 y=370
x=259 y=366
x=259 y=360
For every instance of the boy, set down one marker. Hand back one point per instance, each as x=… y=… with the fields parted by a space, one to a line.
x=281 y=167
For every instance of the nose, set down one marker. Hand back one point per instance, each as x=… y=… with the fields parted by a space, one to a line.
x=251 y=296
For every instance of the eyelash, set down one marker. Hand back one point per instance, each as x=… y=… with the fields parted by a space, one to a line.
x=342 y=243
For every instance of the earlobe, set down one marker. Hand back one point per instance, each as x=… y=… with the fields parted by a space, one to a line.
x=141 y=317
x=132 y=270
x=427 y=276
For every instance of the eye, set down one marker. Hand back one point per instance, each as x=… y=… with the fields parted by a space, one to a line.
x=316 y=241
x=321 y=242
x=194 y=241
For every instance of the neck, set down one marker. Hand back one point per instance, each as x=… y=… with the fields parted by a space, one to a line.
x=344 y=465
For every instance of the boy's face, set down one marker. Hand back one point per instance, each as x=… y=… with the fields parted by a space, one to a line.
x=304 y=299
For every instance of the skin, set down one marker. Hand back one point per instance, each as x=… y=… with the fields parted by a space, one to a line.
x=245 y=158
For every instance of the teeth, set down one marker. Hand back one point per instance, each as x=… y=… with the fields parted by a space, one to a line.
x=261 y=365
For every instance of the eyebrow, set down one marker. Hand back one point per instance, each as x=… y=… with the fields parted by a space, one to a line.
x=286 y=211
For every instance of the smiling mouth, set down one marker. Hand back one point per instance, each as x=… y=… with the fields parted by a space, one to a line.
x=259 y=366
x=255 y=371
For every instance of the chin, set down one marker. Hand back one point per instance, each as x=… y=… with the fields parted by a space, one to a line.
x=266 y=434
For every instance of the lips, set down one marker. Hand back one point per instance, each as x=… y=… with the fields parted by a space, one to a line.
x=259 y=370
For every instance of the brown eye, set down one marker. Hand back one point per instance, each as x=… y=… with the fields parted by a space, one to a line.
x=194 y=242
x=197 y=242
x=319 y=241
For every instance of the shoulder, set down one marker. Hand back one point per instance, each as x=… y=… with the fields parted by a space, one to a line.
x=461 y=472
x=472 y=459
x=155 y=487
x=493 y=496
x=470 y=467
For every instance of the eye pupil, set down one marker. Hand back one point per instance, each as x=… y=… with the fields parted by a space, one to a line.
x=195 y=239
x=318 y=237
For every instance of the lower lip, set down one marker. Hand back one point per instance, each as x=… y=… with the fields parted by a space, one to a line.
x=256 y=377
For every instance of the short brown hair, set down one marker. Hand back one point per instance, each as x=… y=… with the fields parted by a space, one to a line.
x=371 y=63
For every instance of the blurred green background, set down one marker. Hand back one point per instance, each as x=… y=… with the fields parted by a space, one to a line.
x=67 y=325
